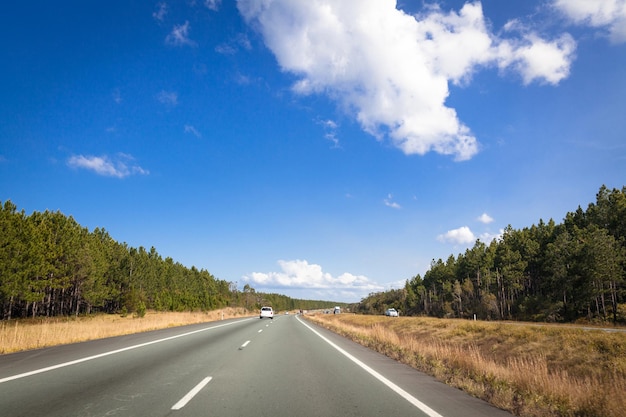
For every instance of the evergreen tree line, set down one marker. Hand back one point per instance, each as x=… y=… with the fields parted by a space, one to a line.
x=249 y=298
x=575 y=270
x=52 y=266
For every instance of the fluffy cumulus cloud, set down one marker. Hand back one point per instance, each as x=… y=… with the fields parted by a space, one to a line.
x=392 y=70
x=536 y=59
x=605 y=14
x=300 y=275
x=464 y=235
x=485 y=218
x=120 y=166
x=461 y=236
x=487 y=237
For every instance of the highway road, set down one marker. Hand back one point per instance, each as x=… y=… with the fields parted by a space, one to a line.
x=242 y=367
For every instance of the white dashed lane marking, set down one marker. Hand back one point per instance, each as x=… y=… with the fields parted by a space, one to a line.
x=183 y=401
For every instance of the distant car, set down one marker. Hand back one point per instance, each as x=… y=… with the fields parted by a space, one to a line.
x=267 y=312
x=391 y=312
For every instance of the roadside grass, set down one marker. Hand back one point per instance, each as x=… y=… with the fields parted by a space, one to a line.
x=26 y=334
x=530 y=370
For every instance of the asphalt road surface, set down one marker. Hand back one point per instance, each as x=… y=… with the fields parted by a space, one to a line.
x=244 y=367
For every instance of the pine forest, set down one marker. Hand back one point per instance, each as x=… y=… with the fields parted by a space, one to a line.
x=51 y=266
x=573 y=271
x=566 y=272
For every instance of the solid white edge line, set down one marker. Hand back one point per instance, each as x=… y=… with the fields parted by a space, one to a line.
x=101 y=355
x=183 y=401
x=417 y=403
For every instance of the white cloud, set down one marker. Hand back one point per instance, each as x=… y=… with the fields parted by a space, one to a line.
x=226 y=49
x=160 y=12
x=234 y=45
x=330 y=131
x=461 y=236
x=330 y=124
x=121 y=166
x=610 y=14
x=242 y=40
x=242 y=79
x=392 y=70
x=485 y=218
x=179 y=36
x=213 y=4
x=537 y=59
x=332 y=137
x=193 y=131
x=488 y=237
x=169 y=98
x=390 y=203
x=464 y=235
x=300 y=275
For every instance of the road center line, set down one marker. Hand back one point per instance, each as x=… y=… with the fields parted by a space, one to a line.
x=417 y=403
x=244 y=345
x=113 y=352
x=260 y=330
x=183 y=401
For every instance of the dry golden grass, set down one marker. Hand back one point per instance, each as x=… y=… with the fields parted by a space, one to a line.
x=17 y=335
x=530 y=370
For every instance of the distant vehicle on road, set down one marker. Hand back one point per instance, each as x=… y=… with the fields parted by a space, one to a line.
x=391 y=312
x=337 y=310
x=267 y=312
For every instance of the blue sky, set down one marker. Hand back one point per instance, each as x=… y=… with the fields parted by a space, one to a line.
x=320 y=149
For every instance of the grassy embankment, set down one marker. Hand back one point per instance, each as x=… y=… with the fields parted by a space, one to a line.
x=530 y=370
x=17 y=335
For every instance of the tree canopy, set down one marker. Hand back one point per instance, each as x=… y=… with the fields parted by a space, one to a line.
x=563 y=272
x=51 y=266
